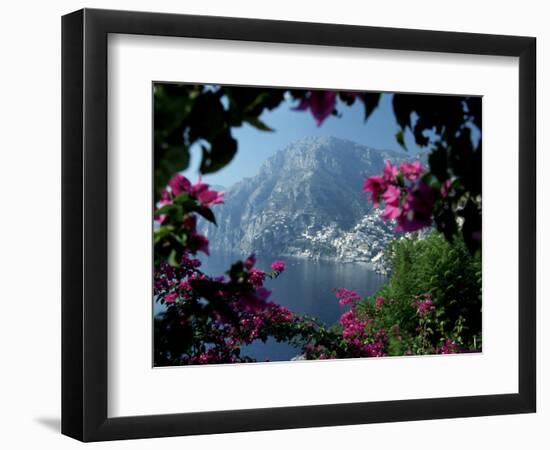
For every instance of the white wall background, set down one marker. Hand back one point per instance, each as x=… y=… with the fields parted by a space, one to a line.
x=30 y=226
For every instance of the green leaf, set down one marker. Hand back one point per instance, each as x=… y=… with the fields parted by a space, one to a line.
x=182 y=198
x=236 y=271
x=172 y=259
x=400 y=137
x=371 y=101
x=208 y=118
x=168 y=161
x=220 y=153
x=160 y=233
x=207 y=214
x=257 y=123
x=347 y=97
x=438 y=163
x=403 y=106
x=166 y=209
x=174 y=212
x=186 y=202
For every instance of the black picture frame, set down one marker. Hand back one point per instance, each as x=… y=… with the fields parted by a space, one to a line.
x=84 y=224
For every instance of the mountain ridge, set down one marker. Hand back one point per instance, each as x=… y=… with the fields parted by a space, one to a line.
x=306 y=200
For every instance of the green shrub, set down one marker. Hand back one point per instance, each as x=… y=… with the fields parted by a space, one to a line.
x=449 y=275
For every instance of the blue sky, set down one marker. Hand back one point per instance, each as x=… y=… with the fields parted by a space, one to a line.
x=255 y=146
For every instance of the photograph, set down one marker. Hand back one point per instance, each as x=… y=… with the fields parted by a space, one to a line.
x=314 y=224
x=275 y=225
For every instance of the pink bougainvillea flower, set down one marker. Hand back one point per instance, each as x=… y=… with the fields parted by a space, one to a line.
x=422 y=198
x=190 y=222
x=198 y=187
x=417 y=209
x=171 y=297
x=449 y=346
x=278 y=314
x=375 y=185
x=320 y=103
x=209 y=198
x=411 y=171
x=256 y=277
x=179 y=184
x=185 y=286
x=379 y=302
x=377 y=348
x=390 y=172
x=189 y=263
x=262 y=294
x=159 y=218
x=444 y=189
x=250 y=261
x=346 y=296
x=423 y=307
x=252 y=325
x=391 y=198
x=278 y=266
x=353 y=329
x=255 y=302
x=201 y=243
x=391 y=212
x=392 y=195
x=412 y=204
x=164 y=200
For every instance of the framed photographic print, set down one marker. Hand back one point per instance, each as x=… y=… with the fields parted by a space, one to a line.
x=274 y=225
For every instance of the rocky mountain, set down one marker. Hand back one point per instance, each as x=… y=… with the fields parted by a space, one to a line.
x=307 y=201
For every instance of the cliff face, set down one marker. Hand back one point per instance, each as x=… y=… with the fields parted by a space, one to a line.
x=306 y=200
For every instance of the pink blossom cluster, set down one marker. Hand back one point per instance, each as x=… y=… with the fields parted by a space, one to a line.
x=449 y=346
x=246 y=316
x=253 y=300
x=249 y=262
x=228 y=338
x=226 y=352
x=251 y=326
x=424 y=305
x=346 y=296
x=165 y=278
x=196 y=240
x=171 y=297
x=189 y=263
x=377 y=347
x=278 y=266
x=181 y=289
x=278 y=314
x=317 y=351
x=357 y=332
x=169 y=280
x=408 y=199
x=321 y=103
x=200 y=191
x=256 y=277
x=203 y=195
x=352 y=326
x=363 y=335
